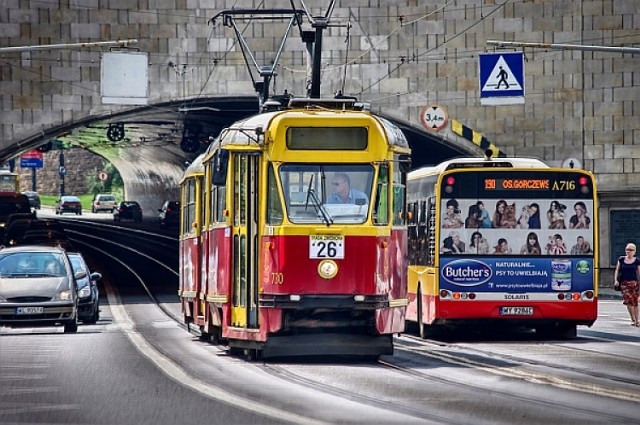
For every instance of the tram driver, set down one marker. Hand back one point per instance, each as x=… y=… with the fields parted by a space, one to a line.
x=343 y=193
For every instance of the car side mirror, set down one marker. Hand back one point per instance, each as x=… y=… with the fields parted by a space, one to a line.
x=80 y=275
x=95 y=276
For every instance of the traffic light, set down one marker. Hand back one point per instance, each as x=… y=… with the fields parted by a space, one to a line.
x=46 y=147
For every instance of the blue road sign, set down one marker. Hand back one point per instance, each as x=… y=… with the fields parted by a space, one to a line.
x=31 y=162
x=501 y=78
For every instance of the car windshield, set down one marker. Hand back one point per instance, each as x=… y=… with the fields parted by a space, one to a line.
x=76 y=263
x=32 y=264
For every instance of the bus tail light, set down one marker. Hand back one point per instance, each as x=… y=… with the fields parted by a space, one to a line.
x=457 y=295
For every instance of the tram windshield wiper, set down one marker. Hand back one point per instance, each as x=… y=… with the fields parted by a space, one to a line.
x=320 y=208
x=317 y=205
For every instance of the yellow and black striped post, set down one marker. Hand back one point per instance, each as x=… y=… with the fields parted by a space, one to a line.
x=477 y=138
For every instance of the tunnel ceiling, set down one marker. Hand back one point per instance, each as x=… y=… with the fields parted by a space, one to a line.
x=150 y=146
x=175 y=132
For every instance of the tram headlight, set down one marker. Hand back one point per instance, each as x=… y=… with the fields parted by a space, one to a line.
x=327 y=269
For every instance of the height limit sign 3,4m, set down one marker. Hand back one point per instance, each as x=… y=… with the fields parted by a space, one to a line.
x=434 y=117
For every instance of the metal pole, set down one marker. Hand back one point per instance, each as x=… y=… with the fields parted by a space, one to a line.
x=319 y=24
x=121 y=43
x=33 y=179
x=612 y=49
x=61 y=173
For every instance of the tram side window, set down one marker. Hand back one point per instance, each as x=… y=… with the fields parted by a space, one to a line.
x=381 y=212
x=221 y=203
x=398 y=204
x=190 y=208
x=274 y=206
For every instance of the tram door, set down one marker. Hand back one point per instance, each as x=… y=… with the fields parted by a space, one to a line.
x=245 y=233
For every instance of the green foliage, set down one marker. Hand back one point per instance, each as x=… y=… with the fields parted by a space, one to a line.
x=85 y=200
x=113 y=185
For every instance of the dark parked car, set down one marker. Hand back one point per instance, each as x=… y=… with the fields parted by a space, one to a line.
x=128 y=210
x=38 y=288
x=34 y=199
x=45 y=237
x=88 y=294
x=169 y=214
x=15 y=230
x=13 y=203
x=70 y=204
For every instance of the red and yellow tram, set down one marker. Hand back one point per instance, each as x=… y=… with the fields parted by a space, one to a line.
x=294 y=234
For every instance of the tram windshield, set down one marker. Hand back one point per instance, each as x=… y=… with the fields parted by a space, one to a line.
x=327 y=193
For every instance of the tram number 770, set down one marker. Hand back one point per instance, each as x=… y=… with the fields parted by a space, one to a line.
x=326 y=246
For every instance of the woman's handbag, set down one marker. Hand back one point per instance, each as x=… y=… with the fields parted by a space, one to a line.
x=616 y=284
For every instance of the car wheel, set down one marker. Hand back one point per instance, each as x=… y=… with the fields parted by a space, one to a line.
x=94 y=318
x=71 y=326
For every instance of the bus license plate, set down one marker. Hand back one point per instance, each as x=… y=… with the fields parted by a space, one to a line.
x=516 y=311
x=29 y=310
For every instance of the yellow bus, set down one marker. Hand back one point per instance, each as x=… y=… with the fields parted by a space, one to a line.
x=503 y=241
x=9 y=182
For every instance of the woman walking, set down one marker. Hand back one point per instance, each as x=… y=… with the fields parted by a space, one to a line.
x=628 y=267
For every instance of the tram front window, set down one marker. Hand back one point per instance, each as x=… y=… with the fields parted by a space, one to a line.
x=327 y=193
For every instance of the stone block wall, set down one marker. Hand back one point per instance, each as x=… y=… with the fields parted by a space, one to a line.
x=80 y=166
x=401 y=55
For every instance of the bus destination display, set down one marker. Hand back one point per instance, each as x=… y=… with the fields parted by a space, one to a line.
x=529 y=184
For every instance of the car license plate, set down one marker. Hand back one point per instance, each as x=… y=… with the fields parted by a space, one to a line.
x=516 y=311
x=29 y=310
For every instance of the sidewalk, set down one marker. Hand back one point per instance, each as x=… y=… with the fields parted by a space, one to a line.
x=608 y=293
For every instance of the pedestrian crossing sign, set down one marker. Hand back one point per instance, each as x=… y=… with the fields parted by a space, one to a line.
x=501 y=78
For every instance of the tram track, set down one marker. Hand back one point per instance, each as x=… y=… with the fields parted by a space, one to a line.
x=499 y=362
x=414 y=362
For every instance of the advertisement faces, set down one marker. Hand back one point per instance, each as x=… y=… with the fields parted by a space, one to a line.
x=516 y=245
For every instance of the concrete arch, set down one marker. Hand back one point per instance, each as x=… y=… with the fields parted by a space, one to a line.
x=149 y=156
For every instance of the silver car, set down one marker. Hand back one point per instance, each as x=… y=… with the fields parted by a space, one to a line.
x=38 y=288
